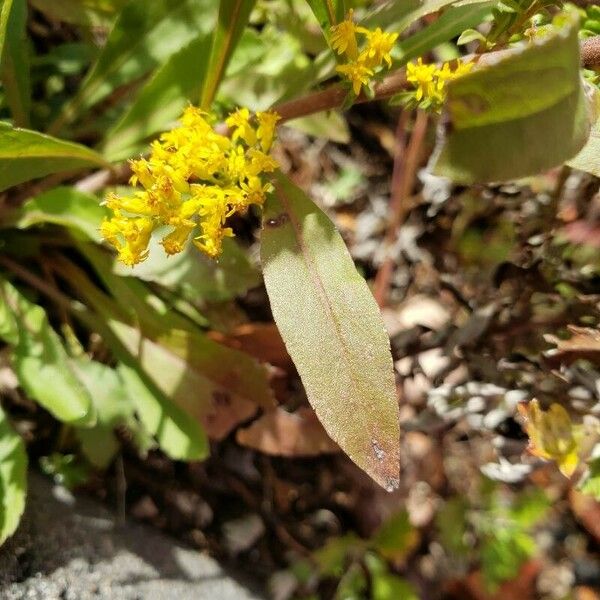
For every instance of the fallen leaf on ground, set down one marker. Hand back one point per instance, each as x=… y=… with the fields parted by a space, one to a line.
x=584 y=343
x=261 y=340
x=280 y=433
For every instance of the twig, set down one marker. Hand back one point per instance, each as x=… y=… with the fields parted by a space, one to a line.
x=401 y=188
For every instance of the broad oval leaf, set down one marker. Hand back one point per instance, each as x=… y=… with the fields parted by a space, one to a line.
x=41 y=363
x=14 y=59
x=500 y=123
x=26 y=155
x=333 y=331
x=13 y=478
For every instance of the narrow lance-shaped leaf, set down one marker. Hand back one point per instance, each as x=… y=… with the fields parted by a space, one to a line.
x=500 y=123
x=333 y=331
x=450 y=24
x=14 y=62
x=26 y=155
x=161 y=100
x=41 y=362
x=13 y=478
x=144 y=35
x=232 y=20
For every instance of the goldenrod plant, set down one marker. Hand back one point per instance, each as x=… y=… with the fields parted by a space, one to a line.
x=137 y=161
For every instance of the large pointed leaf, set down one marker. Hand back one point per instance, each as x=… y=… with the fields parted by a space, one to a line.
x=14 y=59
x=144 y=35
x=26 y=154
x=500 y=123
x=333 y=331
x=233 y=18
x=13 y=478
x=41 y=362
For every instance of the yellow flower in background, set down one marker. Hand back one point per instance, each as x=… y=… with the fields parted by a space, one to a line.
x=374 y=55
x=552 y=435
x=423 y=78
x=343 y=37
x=193 y=180
x=357 y=74
x=429 y=81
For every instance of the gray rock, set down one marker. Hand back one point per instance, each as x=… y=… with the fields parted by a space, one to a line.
x=71 y=548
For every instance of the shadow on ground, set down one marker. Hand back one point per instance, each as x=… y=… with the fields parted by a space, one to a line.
x=74 y=548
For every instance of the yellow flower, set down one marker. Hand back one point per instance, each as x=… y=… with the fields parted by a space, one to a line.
x=552 y=435
x=379 y=47
x=193 y=180
x=357 y=74
x=343 y=37
x=266 y=128
x=423 y=78
x=430 y=81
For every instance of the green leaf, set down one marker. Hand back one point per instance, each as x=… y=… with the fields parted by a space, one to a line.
x=199 y=375
x=588 y=159
x=396 y=537
x=64 y=206
x=387 y=586
x=113 y=408
x=179 y=436
x=93 y=13
x=397 y=16
x=591 y=483
x=500 y=123
x=26 y=155
x=194 y=276
x=144 y=36
x=41 y=362
x=232 y=20
x=446 y=27
x=13 y=478
x=327 y=13
x=333 y=331
x=14 y=59
x=161 y=100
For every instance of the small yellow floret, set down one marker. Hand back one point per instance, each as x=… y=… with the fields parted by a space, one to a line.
x=429 y=81
x=343 y=37
x=374 y=55
x=378 y=48
x=193 y=180
x=357 y=74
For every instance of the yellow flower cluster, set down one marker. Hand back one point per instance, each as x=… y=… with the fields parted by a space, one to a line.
x=192 y=182
x=552 y=435
x=429 y=80
x=362 y=64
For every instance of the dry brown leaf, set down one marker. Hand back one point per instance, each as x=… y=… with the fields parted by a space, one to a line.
x=261 y=340
x=584 y=343
x=226 y=413
x=280 y=433
x=520 y=588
